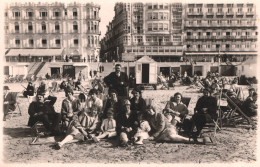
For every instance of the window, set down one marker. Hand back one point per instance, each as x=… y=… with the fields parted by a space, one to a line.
x=190 y=10
x=217 y=45
x=188 y=46
x=75 y=13
x=161 y=6
x=30 y=14
x=30 y=27
x=165 y=26
x=150 y=16
x=239 y=22
x=6 y=14
x=43 y=14
x=76 y=41
x=165 y=16
x=199 y=10
x=219 y=10
x=17 y=41
x=44 y=41
x=16 y=14
x=199 y=22
x=16 y=26
x=31 y=41
x=188 y=33
x=155 y=26
x=155 y=6
x=43 y=26
x=150 y=27
x=239 y=10
x=75 y=26
x=150 y=6
x=161 y=16
x=160 y=26
x=148 y=39
x=227 y=46
x=209 y=22
x=227 y=33
x=249 y=10
x=56 y=14
x=208 y=33
x=57 y=41
x=57 y=26
x=166 y=6
x=155 y=15
x=209 y=10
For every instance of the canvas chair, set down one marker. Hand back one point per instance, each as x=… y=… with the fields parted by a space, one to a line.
x=17 y=107
x=234 y=114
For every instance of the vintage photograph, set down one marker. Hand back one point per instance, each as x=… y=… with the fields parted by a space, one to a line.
x=129 y=82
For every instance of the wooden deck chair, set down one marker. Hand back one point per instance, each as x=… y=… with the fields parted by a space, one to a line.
x=17 y=107
x=235 y=114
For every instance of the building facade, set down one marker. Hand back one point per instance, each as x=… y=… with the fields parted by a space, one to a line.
x=220 y=32
x=71 y=29
x=182 y=32
x=153 y=29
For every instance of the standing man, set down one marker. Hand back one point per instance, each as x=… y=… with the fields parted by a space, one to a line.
x=118 y=81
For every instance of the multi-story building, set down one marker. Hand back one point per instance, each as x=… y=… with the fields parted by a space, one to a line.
x=153 y=29
x=62 y=30
x=227 y=31
x=168 y=31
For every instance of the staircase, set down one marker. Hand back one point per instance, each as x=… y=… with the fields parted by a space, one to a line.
x=43 y=71
x=39 y=68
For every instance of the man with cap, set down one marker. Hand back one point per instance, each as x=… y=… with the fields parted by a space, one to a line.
x=205 y=109
x=9 y=101
x=118 y=81
x=42 y=110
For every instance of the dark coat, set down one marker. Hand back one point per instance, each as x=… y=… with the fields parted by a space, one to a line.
x=207 y=102
x=47 y=108
x=113 y=82
x=123 y=121
x=140 y=107
x=249 y=107
x=11 y=98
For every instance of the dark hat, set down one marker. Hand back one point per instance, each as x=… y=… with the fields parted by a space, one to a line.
x=136 y=90
x=6 y=88
x=69 y=90
x=251 y=89
x=92 y=91
x=113 y=91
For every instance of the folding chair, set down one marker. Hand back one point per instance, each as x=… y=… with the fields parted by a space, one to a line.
x=234 y=114
x=12 y=112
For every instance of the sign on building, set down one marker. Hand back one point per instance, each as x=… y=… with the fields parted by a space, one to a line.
x=128 y=57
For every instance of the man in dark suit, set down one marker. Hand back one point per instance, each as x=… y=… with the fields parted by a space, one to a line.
x=43 y=110
x=118 y=81
x=9 y=101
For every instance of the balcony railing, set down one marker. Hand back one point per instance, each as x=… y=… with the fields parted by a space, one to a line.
x=240 y=13
x=250 y=13
x=220 y=13
x=194 y=13
x=230 y=13
x=210 y=13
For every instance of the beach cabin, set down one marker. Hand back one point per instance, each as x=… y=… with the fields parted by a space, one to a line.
x=146 y=71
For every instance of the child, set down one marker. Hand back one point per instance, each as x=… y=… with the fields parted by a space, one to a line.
x=108 y=126
x=86 y=126
x=142 y=132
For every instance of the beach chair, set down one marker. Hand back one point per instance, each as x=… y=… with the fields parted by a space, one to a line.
x=17 y=109
x=233 y=114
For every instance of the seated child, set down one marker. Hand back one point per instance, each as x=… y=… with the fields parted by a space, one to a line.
x=142 y=132
x=108 y=127
x=85 y=126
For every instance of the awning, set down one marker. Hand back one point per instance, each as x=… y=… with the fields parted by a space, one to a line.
x=35 y=52
x=221 y=53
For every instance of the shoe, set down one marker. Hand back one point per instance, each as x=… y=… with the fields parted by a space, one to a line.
x=58 y=145
x=124 y=144
x=139 y=142
x=96 y=140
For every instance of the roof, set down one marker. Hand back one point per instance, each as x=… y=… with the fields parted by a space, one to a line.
x=145 y=59
x=221 y=53
x=35 y=52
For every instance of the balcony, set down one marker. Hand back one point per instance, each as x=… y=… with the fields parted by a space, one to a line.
x=74 y=31
x=195 y=13
x=220 y=14
x=93 y=32
x=92 y=18
x=138 y=31
x=56 y=17
x=28 y=18
x=43 y=18
x=210 y=13
x=28 y=31
x=250 y=13
x=42 y=31
x=240 y=13
x=230 y=13
x=56 y=31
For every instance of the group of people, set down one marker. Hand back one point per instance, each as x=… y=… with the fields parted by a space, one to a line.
x=89 y=116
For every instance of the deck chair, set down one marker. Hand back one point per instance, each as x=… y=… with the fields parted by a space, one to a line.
x=17 y=107
x=234 y=114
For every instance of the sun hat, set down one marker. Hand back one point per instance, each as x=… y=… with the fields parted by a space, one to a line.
x=6 y=88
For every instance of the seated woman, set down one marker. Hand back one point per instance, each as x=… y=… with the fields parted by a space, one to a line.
x=29 y=90
x=161 y=129
x=126 y=124
x=176 y=108
x=42 y=89
x=84 y=127
x=113 y=102
x=138 y=104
